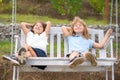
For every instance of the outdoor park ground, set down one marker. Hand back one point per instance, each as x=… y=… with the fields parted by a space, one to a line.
x=6 y=74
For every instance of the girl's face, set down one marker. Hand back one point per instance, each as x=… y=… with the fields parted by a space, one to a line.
x=38 y=28
x=78 y=28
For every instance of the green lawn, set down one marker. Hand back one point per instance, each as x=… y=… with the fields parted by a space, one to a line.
x=7 y=18
x=4 y=47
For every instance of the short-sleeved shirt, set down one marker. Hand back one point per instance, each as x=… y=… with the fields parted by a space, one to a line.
x=79 y=43
x=37 y=41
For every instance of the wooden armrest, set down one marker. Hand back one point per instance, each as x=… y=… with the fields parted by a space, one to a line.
x=16 y=42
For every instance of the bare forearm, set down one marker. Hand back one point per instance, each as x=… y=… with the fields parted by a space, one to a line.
x=66 y=30
x=107 y=35
x=102 y=43
x=48 y=26
x=26 y=24
x=69 y=28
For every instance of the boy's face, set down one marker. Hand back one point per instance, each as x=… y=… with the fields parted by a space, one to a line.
x=78 y=28
x=38 y=28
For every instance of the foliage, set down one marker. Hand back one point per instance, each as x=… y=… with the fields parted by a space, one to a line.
x=5 y=1
x=67 y=7
x=97 y=5
x=5 y=5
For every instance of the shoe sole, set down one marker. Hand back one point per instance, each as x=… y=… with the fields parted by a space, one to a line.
x=21 y=56
x=76 y=62
x=91 y=58
x=14 y=62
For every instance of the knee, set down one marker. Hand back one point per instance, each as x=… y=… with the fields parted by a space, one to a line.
x=27 y=47
x=74 y=53
x=85 y=53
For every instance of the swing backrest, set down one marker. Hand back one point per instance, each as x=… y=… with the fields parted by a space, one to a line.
x=58 y=46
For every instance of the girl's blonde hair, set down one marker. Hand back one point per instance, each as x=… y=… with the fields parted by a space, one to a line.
x=85 y=31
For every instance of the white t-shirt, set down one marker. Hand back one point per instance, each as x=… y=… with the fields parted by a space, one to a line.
x=37 y=41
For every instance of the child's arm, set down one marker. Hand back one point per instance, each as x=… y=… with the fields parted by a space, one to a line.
x=66 y=31
x=101 y=44
x=24 y=27
x=48 y=26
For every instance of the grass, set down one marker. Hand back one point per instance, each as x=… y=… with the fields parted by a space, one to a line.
x=4 y=47
x=7 y=18
x=93 y=21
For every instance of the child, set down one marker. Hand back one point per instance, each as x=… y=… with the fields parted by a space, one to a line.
x=36 y=41
x=79 y=42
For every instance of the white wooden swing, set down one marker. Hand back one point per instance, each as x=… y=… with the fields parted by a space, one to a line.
x=57 y=62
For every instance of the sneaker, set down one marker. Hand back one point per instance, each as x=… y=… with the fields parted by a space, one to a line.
x=91 y=58
x=13 y=56
x=76 y=61
x=21 y=56
x=14 y=62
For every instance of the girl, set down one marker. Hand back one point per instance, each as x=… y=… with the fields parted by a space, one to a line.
x=36 y=41
x=79 y=42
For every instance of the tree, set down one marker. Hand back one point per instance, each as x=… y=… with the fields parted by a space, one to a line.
x=98 y=5
x=106 y=10
x=5 y=1
x=67 y=7
x=5 y=5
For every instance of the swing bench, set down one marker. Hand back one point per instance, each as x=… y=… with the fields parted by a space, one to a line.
x=57 y=60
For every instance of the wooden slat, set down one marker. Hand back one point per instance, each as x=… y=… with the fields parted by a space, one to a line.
x=51 y=45
x=58 y=45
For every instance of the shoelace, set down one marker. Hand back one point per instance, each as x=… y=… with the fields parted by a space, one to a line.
x=73 y=58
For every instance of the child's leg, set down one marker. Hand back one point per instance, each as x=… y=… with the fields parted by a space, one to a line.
x=89 y=56
x=75 y=59
x=24 y=53
x=73 y=55
x=10 y=58
x=30 y=51
x=28 y=54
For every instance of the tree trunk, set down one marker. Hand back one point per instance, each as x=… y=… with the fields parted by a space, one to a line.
x=106 y=11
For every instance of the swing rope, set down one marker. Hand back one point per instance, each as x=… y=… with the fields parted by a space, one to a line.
x=117 y=29
x=116 y=24
x=13 y=24
x=111 y=13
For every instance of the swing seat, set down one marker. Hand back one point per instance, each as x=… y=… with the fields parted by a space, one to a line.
x=57 y=60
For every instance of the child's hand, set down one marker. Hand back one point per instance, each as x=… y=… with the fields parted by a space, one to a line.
x=48 y=22
x=109 y=32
